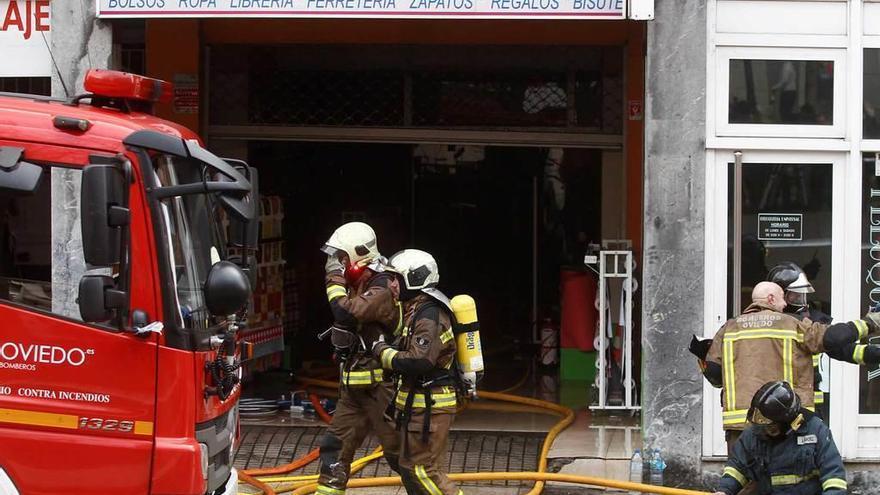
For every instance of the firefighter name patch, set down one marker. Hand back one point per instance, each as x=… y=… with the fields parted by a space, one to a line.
x=423 y=342
x=807 y=439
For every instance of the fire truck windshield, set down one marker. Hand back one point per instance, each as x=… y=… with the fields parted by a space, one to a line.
x=192 y=225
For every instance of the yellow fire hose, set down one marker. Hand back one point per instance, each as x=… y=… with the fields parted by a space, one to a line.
x=305 y=485
x=523 y=476
x=356 y=466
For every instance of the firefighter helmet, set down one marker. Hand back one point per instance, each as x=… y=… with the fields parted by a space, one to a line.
x=417 y=268
x=355 y=239
x=794 y=282
x=791 y=278
x=774 y=402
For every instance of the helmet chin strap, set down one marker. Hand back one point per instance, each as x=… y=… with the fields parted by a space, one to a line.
x=797 y=422
x=783 y=429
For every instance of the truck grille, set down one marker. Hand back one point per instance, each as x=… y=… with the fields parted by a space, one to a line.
x=217 y=434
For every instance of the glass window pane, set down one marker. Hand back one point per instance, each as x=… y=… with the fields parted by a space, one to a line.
x=870 y=117
x=869 y=382
x=786 y=216
x=800 y=196
x=41 y=255
x=781 y=92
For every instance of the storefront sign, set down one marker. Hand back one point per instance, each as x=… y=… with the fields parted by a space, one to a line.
x=24 y=38
x=488 y=9
x=780 y=226
x=186 y=93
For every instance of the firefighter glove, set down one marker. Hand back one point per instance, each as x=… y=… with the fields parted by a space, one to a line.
x=333 y=264
x=380 y=340
x=873 y=321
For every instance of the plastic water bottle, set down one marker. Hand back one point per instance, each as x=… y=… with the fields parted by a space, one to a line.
x=636 y=467
x=657 y=467
x=296 y=406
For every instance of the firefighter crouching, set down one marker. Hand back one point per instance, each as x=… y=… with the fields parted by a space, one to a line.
x=787 y=449
x=363 y=300
x=765 y=344
x=424 y=359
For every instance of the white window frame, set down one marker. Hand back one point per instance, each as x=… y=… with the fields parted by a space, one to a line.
x=715 y=284
x=848 y=399
x=722 y=92
x=852 y=294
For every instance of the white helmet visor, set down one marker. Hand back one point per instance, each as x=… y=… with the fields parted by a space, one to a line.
x=801 y=285
x=329 y=250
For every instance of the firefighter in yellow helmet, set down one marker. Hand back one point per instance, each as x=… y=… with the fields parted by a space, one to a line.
x=424 y=358
x=363 y=300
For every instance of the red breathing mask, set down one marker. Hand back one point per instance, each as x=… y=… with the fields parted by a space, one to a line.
x=353 y=273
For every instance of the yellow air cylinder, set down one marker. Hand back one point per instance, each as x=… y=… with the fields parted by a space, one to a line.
x=467 y=330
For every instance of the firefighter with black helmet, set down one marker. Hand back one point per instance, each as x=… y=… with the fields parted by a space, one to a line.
x=796 y=285
x=765 y=344
x=785 y=450
x=363 y=300
x=424 y=358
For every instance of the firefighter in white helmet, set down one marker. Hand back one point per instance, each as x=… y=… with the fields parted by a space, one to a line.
x=424 y=358
x=363 y=298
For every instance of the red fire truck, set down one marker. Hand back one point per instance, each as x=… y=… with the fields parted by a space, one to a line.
x=119 y=296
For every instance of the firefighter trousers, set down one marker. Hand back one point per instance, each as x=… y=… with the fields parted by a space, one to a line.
x=359 y=412
x=423 y=465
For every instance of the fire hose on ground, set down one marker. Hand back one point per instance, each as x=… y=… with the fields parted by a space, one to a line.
x=303 y=485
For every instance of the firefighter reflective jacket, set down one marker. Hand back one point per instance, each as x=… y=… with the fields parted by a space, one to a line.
x=424 y=357
x=803 y=462
x=760 y=346
x=763 y=345
x=370 y=308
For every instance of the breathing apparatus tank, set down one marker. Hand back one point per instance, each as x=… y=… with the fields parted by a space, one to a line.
x=469 y=352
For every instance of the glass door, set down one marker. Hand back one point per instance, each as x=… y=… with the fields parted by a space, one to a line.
x=862 y=403
x=769 y=208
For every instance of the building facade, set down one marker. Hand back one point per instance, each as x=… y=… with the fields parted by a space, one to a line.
x=732 y=135
x=777 y=102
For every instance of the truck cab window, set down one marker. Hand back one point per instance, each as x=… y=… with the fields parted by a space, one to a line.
x=194 y=239
x=41 y=259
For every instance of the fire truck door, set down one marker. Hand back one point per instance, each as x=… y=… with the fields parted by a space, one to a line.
x=77 y=401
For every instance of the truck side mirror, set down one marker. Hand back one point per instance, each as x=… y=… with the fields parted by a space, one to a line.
x=227 y=289
x=99 y=299
x=104 y=213
x=244 y=218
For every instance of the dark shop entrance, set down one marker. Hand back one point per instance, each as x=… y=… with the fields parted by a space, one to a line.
x=511 y=165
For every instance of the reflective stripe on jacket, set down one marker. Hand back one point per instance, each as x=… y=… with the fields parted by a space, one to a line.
x=426 y=349
x=805 y=462
x=760 y=346
x=371 y=308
